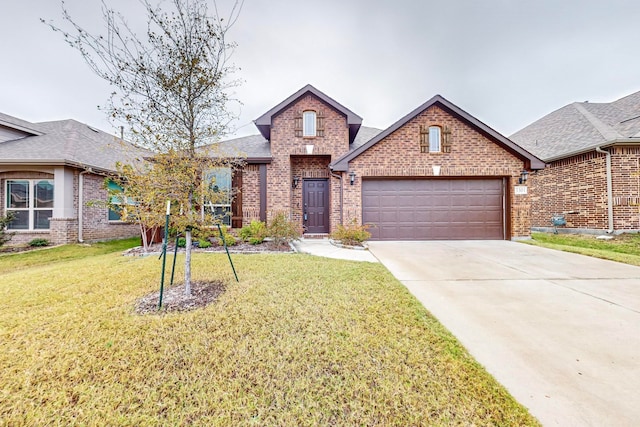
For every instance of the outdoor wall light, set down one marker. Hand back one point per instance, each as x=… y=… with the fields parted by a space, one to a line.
x=523 y=177
x=352 y=177
x=294 y=184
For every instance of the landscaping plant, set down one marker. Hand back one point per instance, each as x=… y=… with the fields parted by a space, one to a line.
x=4 y=222
x=254 y=233
x=353 y=234
x=282 y=230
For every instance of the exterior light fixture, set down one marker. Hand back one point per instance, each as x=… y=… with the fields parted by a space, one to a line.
x=523 y=176
x=294 y=184
x=352 y=177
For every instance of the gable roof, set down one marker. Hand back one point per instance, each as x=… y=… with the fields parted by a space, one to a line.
x=263 y=123
x=256 y=148
x=67 y=142
x=581 y=127
x=342 y=164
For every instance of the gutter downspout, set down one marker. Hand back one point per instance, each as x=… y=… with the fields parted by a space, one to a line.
x=609 y=188
x=81 y=202
x=341 y=196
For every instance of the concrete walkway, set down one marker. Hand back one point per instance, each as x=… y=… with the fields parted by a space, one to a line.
x=560 y=331
x=322 y=247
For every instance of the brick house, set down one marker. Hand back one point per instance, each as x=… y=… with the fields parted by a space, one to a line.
x=593 y=172
x=51 y=172
x=437 y=173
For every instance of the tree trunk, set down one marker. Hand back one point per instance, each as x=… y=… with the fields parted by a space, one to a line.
x=187 y=263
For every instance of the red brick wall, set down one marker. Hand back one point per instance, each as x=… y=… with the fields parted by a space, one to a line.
x=284 y=143
x=250 y=193
x=96 y=224
x=472 y=154
x=579 y=185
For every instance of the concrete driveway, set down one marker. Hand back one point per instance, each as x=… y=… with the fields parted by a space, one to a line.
x=560 y=331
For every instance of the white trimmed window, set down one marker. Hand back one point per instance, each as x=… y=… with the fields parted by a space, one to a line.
x=31 y=202
x=220 y=179
x=435 y=141
x=309 y=123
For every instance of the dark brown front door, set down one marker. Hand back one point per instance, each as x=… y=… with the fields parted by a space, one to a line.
x=434 y=209
x=316 y=205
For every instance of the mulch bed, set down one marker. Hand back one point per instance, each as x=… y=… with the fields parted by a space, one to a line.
x=241 y=247
x=174 y=299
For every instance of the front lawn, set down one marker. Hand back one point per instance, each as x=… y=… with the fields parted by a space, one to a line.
x=299 y=341
x=622 y=248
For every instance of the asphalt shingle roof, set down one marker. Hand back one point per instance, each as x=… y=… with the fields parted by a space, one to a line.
x=580 y=127
x=257 y=146
x=66 y=142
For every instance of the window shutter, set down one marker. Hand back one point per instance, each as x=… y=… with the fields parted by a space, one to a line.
x=446 y=139
x=320 y=123
x=236 y=201
x=424 y=139
x=298 y=124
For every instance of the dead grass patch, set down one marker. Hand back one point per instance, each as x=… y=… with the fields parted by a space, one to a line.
x=300 y=341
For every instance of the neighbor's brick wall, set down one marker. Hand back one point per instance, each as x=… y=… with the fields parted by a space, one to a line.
x=284 y=143
x=472 y=154
x=579 y=184
x=96 y=224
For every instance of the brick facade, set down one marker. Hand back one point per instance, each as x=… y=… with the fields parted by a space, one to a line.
x=96 y=225
x=290 y=158
x=577 y=187
x=471 y=155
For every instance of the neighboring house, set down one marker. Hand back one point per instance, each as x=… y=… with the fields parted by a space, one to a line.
x=437 y=173
x=51 y=176
x=593 y=172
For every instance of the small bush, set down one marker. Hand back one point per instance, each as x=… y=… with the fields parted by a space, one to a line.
x=182 y=242
x=204 y=244
x=254 y=233
x=229 y=238
x=282 y=230
x=352 y=234
x=38 y=243
x=4 y=222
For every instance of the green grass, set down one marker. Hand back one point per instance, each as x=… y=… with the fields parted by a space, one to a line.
x=623 y=248
x=41 y=256
x=299 y=341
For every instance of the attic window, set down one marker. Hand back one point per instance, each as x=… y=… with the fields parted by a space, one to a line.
x=309 y=123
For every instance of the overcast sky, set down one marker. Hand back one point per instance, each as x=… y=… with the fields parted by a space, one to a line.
x=506 y=62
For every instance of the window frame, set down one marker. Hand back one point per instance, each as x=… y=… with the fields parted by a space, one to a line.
x=310 y=125
x=432 y=146
x=221 y=210
x=31 y=208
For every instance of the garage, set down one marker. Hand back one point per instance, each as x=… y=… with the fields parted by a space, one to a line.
x=434 y=208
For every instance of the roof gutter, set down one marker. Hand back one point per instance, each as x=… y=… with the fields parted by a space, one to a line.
x=609 y=188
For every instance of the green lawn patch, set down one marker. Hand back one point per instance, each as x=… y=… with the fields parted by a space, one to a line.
x=41 y=256
x=623 y=248
x=300 y=341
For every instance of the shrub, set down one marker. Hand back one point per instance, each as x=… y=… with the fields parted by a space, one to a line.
x=282 y=230
x=352 y=234
x=254 y=233
x=38 y=243
x=204 y=244
x=182 y=242
x=4 y=222
x=229 y=238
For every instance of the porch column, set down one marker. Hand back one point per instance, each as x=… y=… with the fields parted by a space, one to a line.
x=63 y=196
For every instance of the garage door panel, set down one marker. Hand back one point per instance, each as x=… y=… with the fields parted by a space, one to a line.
x=424 y=209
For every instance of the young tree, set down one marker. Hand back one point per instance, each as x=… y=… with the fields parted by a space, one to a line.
x=172 y=92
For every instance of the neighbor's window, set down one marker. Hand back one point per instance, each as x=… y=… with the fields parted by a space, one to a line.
x=220 y=207
x=309 y=123
x=434 y=139
x=31 y=201
x=117 y=201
